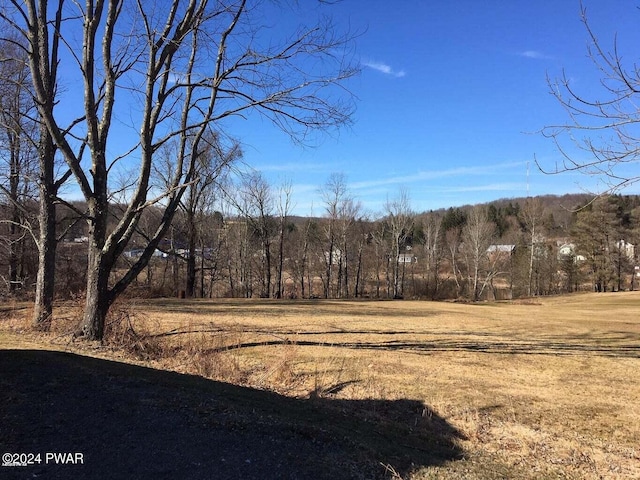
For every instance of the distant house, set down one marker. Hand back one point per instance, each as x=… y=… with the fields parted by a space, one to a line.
x=566 y=250
x=336 y=256
x=626 y=248
x=407 y=258
x=497 y=249
x=137 y=253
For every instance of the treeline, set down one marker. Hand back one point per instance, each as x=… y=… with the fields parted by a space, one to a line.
x=249 y=245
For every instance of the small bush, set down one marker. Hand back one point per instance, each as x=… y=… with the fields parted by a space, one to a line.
x=138 y=341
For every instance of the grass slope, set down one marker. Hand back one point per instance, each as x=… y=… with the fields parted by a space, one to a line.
x=546 y=388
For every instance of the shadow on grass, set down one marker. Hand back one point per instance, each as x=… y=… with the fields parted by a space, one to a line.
x=129 y=421
x=606 y=346
x=617 y=344
x=356 y=308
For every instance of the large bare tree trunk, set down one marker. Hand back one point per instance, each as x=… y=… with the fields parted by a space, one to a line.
x=44 y=72
x=357 y=289
x=99 y=265
x=98 y=298
x=47 y=243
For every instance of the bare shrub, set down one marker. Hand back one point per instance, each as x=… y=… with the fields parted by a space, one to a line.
x=221 y=366
x=279 y=373
x=66 y=317
x=212 y=356
x=138 y=341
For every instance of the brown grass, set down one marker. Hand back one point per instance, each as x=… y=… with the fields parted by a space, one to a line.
x=544 y=389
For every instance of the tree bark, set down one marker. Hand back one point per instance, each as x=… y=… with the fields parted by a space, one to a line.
x=191 y=255
x=48 y=242
x=99 y=265
x=97 y=301
x=43 y=66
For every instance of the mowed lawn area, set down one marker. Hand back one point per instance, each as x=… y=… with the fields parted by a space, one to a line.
x=538 y=388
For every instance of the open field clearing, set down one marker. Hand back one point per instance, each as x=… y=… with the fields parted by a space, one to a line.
x=543 y=388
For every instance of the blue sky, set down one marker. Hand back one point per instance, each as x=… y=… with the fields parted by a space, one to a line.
x=451 y=98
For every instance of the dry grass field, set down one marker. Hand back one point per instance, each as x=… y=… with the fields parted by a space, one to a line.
x=542 y=388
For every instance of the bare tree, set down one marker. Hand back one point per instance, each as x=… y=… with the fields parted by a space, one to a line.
x=302 y=240
x=363 y=236
x=532 y=214
x=334 y=193
x=603 y=125
x=399 y=218
x=477 y=235
x=342 y=211
x=379 y=234
x=284 y=209
x=170 y=71
x=29 y=138
x=349 y=213
x=432 y=227
x=257 y=205
x=209 y=169
x=18 y=157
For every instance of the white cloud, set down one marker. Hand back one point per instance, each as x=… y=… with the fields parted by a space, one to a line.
x=534 y=54
x=384 y=68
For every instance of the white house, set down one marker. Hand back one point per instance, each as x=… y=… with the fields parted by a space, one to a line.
x=626 y=248
x=493 y=249
x=407 y=258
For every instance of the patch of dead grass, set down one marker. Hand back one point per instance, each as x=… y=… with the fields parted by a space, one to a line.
x=544 y=389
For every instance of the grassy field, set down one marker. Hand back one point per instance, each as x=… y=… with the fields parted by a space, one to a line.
x=543 y=388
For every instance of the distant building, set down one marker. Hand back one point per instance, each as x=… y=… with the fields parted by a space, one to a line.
x=336 y=256
x=497 y=249
x=566 y=250
x=627 y=249
x=407 y=258
x=137 y=253
x=496 y=252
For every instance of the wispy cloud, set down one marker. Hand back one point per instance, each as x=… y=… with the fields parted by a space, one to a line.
x=535 y=54
x=384 y=68
x=492 y=187
x=451 y=186
x=292 y=167
x=483 y=169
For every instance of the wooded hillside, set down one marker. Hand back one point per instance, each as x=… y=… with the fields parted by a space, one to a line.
x=505 y=249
